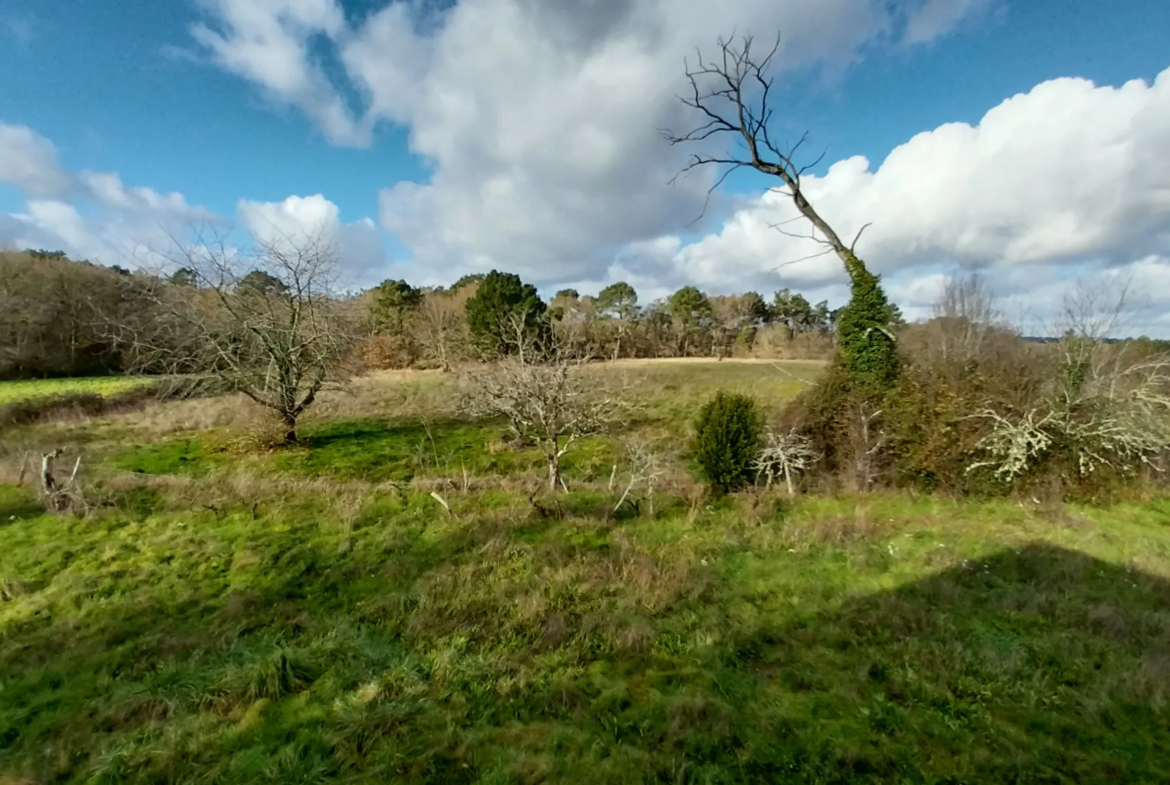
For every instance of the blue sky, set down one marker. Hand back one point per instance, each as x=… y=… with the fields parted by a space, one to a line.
x=130 y=89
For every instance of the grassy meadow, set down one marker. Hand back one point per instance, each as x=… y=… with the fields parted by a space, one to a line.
x=232 y=613
x=31 y=389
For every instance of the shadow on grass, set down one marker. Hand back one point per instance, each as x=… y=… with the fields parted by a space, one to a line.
x=1037 y=665
x=399 y=664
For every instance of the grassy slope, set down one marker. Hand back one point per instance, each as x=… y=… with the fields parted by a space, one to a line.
x=281 y=618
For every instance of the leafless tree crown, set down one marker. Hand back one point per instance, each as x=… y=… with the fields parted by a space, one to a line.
x=542 y=390
x=268 y=324
x=734 y=93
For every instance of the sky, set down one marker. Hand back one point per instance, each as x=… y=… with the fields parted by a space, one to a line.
x=1029 y=139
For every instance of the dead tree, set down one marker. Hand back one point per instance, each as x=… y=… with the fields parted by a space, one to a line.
x=56 y=494
x=733 y=95
x=645 y=467
x=268 y=324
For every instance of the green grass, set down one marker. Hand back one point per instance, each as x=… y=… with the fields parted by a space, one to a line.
x=27 y=389
x=221 y=623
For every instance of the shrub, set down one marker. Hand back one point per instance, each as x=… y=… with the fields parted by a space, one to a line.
x=728 y=435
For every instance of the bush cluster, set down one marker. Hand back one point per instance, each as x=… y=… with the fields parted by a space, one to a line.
x=1006 y=417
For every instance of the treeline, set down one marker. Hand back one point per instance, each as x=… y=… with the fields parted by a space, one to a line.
x=442 y=326
x=60 y=317
x=55 y=314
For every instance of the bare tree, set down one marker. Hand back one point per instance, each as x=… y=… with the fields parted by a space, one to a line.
x=785 y=455
x=965 y=313
x=440 y=326
x=268 y=323
x=544 y=394
x=733 y=94
x=645 y=470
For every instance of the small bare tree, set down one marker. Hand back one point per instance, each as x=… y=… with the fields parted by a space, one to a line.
x=269 y=323
x=58 y=495
x=785 y=455
x=645 y=470
x=544 y=394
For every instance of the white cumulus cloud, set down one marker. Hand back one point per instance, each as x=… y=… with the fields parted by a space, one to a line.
x=540 y=119
x=94 y=215
x=298 y=220
x=29 y=161
x=1069 y=174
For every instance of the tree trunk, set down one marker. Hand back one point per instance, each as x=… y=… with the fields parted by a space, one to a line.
x=554 y=472
x=48 y=482
x=290 y=428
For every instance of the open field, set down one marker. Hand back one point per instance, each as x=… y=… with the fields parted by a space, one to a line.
x=27 y=389
x=229 y=613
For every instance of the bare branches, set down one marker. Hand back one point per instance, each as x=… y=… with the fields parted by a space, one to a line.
x=733 y=95
x=965 y=315
x=1106 y=408
x=267 y=324
x=645 y=467
x=853 y=245
x=785 y=455
x=543 y=393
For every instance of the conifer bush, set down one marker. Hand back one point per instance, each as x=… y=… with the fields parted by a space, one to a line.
x=728 y=436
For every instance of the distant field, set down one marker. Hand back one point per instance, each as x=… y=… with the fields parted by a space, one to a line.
x=25 y=389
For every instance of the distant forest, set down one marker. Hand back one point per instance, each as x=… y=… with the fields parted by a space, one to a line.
x=61 y=317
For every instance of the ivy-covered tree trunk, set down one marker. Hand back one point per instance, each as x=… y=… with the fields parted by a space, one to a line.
x=727 y=96
x=864 y=338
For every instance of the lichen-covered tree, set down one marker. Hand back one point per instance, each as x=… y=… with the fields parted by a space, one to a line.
x=733 y=95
